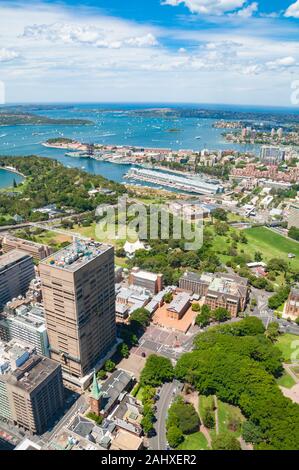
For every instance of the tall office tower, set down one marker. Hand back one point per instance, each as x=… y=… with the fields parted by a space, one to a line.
x=16 y=272
x=31 y=389
x=79 y=299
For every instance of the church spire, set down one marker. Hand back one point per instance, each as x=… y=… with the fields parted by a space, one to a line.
x=95 y=389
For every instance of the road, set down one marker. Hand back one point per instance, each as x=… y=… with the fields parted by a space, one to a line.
x=5 y=228
x=168 y=392
x=59 y=230
x=46 y=225
x=267 y=316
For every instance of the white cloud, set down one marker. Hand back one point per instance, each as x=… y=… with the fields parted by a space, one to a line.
x=69 y=55
x=208 y=7
x=223 y=56
x=282 y=63
x=273 y=14
x=248 y=11
x=293 y=10
x=142 y=41
x=7 y=55
x=98 y=36
x=279 y=65
x=254 y=69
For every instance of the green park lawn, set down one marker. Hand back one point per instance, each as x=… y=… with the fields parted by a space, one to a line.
x=271 y=244
x=232 y=217
x=286 y=381
x=226 y=414
x=260 y=239
x=285 y=343
x=49 y=238
x=6 y=217
x=121 y=262
x=94 y=231
x=88 y=232
x=139 y=394
x=196 y=441
x=205 y=402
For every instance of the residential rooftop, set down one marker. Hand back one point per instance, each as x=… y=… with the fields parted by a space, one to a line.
x=114 y=387
x=76 y=255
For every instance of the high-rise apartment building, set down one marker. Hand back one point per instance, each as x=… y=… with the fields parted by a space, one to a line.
x=271 y=155
x=16 y=273
x=79 y=300
x=31 y=389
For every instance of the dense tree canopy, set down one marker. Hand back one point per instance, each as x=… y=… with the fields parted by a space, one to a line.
x=294 y=233
x=174 y=436
x=49 y=182
x=184 y=416
x=225 y=441
x=238 y=364
x=140 y=319
x=157 y=370
x=279 y=298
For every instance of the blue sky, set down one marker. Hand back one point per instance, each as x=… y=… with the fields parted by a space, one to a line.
x=213 y=51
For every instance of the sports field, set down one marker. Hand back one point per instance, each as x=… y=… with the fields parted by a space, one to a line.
x=271 y=244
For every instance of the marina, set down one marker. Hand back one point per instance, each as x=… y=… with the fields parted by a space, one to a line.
x=112 y=127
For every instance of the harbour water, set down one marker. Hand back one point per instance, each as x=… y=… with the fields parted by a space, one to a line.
x=113 y=124
x=7 y=178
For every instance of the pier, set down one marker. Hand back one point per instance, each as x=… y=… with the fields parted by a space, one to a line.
x=193 y=185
